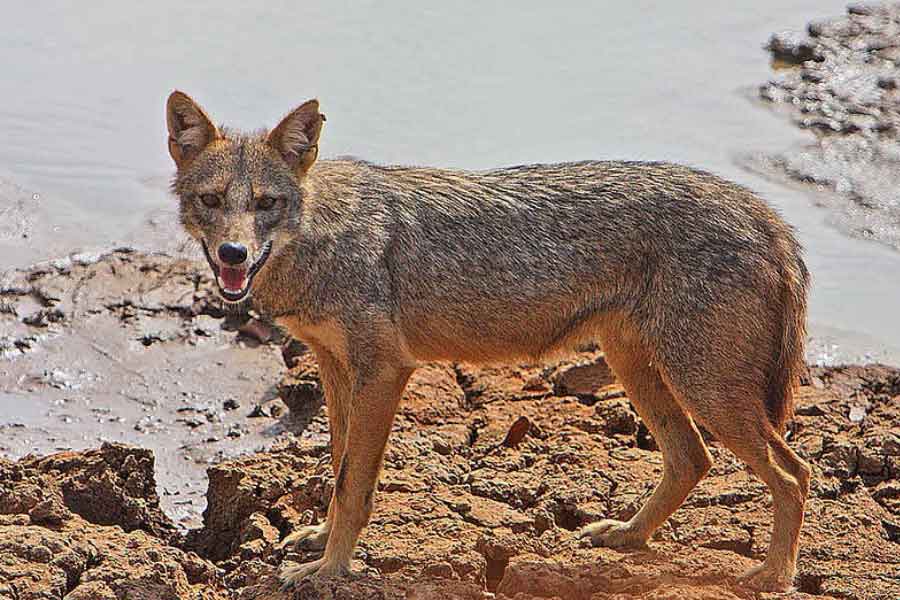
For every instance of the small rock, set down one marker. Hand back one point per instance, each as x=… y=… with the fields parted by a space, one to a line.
x=834 y=28
x=236 y=431
x=840 y=458
x=892 y=529
x=50 y=511
x=611 y=392
x=888 y=82
x=536 y=384
x=809 y=410
x=618 y=418
x=291 y=351
x=582 y=380
x=790 y=47
x=866 y=8
x=870 y=463
x=517 y=432
x=192 y=422
x=92 y=590
x=892 y=54
x=442 y=570
x=889 y=490
x=257 y=330
x=890 y=445
x=260 y=411
x=258 y=527
x=277 y=407
x=44 y=317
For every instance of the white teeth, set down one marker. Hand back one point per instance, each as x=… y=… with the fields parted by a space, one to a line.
x=227 y=289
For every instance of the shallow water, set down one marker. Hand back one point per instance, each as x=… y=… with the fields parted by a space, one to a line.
x=474 y=85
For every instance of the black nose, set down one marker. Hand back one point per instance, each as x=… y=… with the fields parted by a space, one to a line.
x=231 y=253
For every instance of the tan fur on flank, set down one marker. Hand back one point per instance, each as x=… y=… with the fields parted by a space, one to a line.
x=693 y=286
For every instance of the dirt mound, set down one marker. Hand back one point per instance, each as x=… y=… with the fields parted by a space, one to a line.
x=88 y=526
x=114 y=485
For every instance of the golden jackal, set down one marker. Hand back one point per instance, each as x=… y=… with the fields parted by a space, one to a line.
x=694 y=287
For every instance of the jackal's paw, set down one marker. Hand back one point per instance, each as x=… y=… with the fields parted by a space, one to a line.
x=768 y=579
x=292 y=573
x=311 y=537
x=613 y=534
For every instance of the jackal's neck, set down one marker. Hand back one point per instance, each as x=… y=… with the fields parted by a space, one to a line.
x=338 y=235
x=280 y=285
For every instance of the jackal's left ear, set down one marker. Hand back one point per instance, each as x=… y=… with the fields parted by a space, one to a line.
x=190 y=128
x=296 y=138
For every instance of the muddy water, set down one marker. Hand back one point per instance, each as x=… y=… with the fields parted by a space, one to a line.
x=83 y=161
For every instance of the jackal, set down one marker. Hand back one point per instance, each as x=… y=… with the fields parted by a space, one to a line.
x=693 y=286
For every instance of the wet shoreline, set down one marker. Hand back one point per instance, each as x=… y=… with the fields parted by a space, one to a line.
x=840 y=81
x=621 y=87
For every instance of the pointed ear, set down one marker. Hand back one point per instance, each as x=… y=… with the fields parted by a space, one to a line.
x=296 y=138
x=190 y=128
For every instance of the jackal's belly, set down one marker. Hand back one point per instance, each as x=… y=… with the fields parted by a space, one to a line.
x=479 y=333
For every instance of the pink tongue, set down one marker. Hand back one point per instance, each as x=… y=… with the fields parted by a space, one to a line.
x=233 y=278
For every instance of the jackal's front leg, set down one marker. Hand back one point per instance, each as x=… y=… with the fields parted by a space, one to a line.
x=336 y=383
x=371 y=415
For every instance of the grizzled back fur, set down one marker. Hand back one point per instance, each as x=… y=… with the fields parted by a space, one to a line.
x=512 y=262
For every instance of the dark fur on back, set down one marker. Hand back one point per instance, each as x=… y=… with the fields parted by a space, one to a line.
x=674 y=247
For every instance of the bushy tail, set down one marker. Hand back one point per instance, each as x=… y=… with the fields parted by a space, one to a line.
x=791 y=360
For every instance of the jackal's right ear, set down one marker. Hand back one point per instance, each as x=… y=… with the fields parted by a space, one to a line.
x=190 y=128
x=296 y=138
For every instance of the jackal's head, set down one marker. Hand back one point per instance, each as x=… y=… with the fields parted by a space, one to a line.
x=240 y=194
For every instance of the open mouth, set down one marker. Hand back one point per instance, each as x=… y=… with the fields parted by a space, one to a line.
x=234 y=282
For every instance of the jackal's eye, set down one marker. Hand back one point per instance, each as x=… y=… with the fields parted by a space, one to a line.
x=266 y=202
x=210 y=200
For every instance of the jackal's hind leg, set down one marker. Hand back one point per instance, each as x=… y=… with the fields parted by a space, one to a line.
x=685 y=457
x=747 y=432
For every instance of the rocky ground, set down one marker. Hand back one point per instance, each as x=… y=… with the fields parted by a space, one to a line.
x=841 y=80
x=489 y=472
